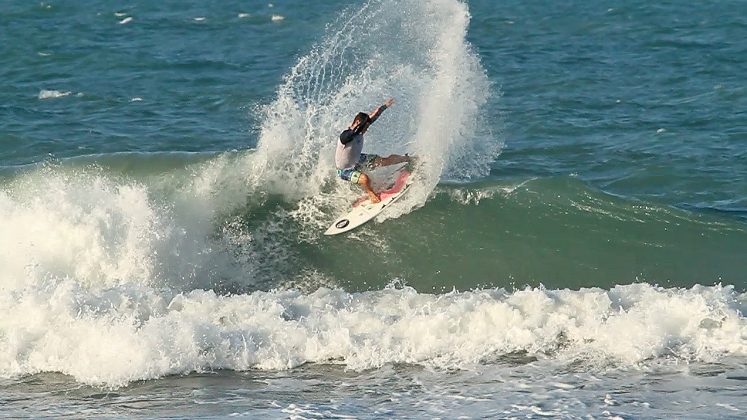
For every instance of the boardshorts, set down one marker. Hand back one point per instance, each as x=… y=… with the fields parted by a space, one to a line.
x=354 y=174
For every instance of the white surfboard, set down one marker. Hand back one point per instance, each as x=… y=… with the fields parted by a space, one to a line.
x=363 y=210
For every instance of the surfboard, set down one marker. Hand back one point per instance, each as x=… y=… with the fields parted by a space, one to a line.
x=363 y=210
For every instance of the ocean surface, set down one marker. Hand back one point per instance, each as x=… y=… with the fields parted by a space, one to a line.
x=574 y=246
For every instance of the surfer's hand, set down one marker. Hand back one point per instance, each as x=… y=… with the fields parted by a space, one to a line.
x=377 y=113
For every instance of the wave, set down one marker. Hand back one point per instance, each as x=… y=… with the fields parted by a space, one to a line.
x=116 y=275
x=189 y=220
x=134 y=266
x=115 y=336
x=205 y=221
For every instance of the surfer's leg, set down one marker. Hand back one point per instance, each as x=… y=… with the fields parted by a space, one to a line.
x=390 y=160
x=365 y=182
x=355 y=176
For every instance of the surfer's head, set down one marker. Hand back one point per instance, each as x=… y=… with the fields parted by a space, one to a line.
x=360 y=122
x=359 y=126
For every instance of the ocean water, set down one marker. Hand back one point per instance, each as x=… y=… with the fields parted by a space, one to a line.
x=575 y=244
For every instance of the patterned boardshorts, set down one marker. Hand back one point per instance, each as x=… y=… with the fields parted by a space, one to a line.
x=354 y=174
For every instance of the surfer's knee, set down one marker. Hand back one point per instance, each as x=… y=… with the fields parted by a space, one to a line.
x=363 y=179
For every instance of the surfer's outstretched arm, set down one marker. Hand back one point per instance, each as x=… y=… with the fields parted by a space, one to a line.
x=374 y=115
x=378 y=111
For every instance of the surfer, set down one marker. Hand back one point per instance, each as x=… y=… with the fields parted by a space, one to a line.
x=349 y=160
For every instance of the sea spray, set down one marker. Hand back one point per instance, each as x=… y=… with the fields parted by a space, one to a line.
x=414 y=51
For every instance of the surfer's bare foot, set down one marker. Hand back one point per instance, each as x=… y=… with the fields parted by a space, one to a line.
x=412 y=161
x=374 y=198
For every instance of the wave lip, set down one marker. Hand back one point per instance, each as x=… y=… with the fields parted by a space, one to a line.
x=114 y=336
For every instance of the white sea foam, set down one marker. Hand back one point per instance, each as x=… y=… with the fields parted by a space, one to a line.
x=112 y=336
x=125 y=20
x=276 y=18
x=52 y=94
x=468 y=196
x=102 y=232
x=244 y=15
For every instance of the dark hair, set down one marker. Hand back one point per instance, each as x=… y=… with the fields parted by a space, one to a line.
x=362 y=116
x=363 y=120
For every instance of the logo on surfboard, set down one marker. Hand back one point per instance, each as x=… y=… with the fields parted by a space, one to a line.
x=363 y=210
